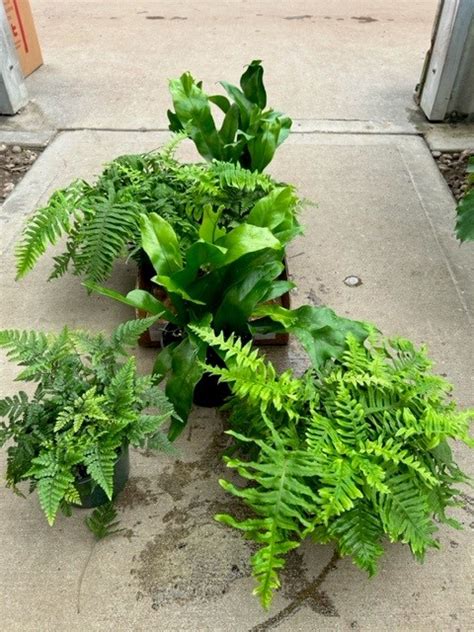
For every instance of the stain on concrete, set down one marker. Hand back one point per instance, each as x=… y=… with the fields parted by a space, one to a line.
x=180 y=474
x=178 y=17
x=310 y=595
x=297 y=17
x=295 y=582
x=364 y=19
x=137 y=492
x=467 y=503
x=195 y=559
x=313 y=298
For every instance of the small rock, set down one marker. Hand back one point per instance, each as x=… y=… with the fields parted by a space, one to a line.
x=3 y=148
x=443 y=167
x=17 y=160
x=16 y=149
x=436 y=154
x=8 y=187
x=455 y=156
x=352 y=280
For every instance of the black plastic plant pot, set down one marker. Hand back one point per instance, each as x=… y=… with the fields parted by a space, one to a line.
x=92 y=495
x=207 y=392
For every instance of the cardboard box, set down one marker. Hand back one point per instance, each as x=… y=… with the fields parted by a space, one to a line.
x=24 y=34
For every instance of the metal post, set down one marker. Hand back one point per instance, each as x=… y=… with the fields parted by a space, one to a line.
x=448 y=81
x=13 y=94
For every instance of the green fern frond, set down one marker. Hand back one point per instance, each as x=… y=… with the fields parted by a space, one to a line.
x=358 y=533
x=404 y=514
x=281 y=497
x=128 y=333
x=145 y=429
x=104 y=235
x=102 y=521
x=15 y=406
x=100 y=461
x=54 y=482
x=24 y=347
x=340 y=489
x=120 y=393
x=47 y=225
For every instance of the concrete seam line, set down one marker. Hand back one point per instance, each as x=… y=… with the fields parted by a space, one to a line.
x=435 y=235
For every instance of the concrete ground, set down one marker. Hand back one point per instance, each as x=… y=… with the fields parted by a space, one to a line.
x=383 y=213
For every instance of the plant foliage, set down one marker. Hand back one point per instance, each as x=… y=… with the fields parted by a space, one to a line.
x=249 y=134
x=103 y=521
x=89 y=403
x=102 y=221
x=465 y=210
x=219 y=279
x=353 y=453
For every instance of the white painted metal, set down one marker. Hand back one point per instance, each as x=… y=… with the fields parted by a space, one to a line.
x=13 y=94
x=448 y=85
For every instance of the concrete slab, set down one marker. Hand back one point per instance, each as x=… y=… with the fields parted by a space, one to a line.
x=451 y=137
x=385 y=214
x=107 y=63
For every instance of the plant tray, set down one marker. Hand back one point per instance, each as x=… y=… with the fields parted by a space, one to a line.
x=153 y=336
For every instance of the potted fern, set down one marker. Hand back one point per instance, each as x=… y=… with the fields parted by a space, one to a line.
x=70 y=438
x=354 y=452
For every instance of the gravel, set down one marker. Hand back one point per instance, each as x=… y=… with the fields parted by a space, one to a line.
x=15 y=161
x=453 y=167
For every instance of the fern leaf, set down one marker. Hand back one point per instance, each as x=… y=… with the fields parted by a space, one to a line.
x=121 y=391
x=52 y=490
x=24 y=347
x=13 y=407
x=405 y=516
x=144 y=430
x=358 y=533
x=128 y=333
x=102 y=521
x=47 y=225
x=105 y=235
x=339 y=490
x=100 y=462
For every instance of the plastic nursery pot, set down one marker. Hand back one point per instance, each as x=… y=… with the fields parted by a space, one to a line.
x=92 y=495
x=208 y=392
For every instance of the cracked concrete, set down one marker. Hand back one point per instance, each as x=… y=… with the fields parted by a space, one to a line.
x=384 y=214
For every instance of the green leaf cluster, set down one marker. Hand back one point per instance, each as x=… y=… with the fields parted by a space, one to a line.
x=465 y=210
x=249 y=134
x=218 y=280
x=101 y=221
x=88 y=405
x=355 y=451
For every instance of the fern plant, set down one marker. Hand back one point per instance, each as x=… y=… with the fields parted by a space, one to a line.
x=101 y=220
x=88 y=405
x=355 y=451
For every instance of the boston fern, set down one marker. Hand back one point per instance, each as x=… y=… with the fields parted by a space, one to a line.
x=354 y=452
x=88 y=405
x=101 y=220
